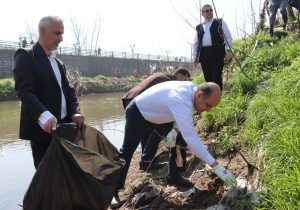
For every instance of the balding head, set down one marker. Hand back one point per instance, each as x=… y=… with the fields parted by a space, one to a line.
x=209 y=88
x=207 y=96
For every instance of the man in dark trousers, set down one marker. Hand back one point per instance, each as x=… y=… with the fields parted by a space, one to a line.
x=43 y=88
x=171 y=102
x=212 y=43
x=274 y=5
x=152 y=139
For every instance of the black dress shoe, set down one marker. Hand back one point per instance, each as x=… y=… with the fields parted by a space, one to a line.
x=153 y=166
x=179 y=181
x=181 y=169
x=116 y=203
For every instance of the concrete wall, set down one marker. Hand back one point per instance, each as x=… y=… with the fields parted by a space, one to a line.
x=92 y=66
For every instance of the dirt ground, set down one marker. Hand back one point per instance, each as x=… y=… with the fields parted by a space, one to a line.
x=208 y=189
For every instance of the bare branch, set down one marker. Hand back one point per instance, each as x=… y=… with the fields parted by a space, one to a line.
x=185 y=20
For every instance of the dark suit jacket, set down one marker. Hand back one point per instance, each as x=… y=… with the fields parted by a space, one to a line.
x=153 y=79
x=39 y=91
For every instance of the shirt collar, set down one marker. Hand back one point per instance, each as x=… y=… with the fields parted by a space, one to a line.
x=53 y=55
x=210 y=21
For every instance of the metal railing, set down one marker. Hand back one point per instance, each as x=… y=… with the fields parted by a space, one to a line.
x=93 y=52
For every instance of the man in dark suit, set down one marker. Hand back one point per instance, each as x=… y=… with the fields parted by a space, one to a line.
x=43 y=88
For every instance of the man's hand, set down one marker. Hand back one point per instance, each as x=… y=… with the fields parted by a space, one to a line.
x=224 y=175
x=50 y=125
x=228 y=56
x=195 y=63
x=172 y=135
x=170 y=140
x=78 y=118
x=166 y=143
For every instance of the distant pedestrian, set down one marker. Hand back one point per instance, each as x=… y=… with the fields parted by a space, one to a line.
x=136 y=73
x=99 y=51
x=24 y=42
x=118 y=72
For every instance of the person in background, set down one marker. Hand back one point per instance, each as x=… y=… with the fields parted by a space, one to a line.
x=136 y=73
x=274 y=5
x=181 y=74
x=24 y=42
x=212 y=44
x=171 y=102
x=42 y=86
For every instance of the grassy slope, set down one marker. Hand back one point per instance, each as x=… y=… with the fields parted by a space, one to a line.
x=262 y=108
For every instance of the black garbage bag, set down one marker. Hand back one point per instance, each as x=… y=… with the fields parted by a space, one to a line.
x=79 y=171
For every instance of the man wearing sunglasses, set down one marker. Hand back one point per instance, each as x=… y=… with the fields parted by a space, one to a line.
x=211 y=45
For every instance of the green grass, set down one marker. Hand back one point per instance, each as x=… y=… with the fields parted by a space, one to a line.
x=263 y=108
x=7 y=86
x=273 y=117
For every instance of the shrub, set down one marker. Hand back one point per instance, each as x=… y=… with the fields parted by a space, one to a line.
x=7 y=86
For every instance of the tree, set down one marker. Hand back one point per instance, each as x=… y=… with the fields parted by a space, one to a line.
x=82 y=38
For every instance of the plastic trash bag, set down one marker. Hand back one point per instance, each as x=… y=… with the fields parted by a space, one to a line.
x=80 y=170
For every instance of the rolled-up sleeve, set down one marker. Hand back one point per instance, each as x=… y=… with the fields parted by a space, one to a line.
x=227 y=34
x=195 y=46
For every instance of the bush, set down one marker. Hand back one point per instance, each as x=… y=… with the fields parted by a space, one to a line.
x=7 y=86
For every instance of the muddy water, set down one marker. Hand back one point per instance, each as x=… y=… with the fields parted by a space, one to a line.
x=102 y=111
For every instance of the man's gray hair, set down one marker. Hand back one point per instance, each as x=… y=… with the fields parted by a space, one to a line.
x=45 y=21
x=205 y=89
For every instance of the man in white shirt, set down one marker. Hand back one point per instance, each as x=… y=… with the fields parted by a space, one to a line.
x=172 y=101
x=211 y=44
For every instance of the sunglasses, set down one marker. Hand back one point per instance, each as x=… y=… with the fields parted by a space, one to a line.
x=208 y=10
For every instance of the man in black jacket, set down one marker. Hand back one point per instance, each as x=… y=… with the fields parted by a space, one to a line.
x=212 y=43
x=43 y=88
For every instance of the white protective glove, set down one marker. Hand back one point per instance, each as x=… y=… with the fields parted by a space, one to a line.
x=170 y=139
x=225 y=175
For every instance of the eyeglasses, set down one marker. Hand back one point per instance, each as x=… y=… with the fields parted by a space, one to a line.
x=208 y=10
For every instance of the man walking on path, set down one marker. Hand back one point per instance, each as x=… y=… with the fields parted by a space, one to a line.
x=42 y=86
x=212 y=43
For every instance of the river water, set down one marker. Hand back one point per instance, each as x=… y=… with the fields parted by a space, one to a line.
x=102 y=111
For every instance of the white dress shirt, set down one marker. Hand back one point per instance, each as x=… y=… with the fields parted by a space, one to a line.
x=206 y=40
x=46 y=115
x=173 y=101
